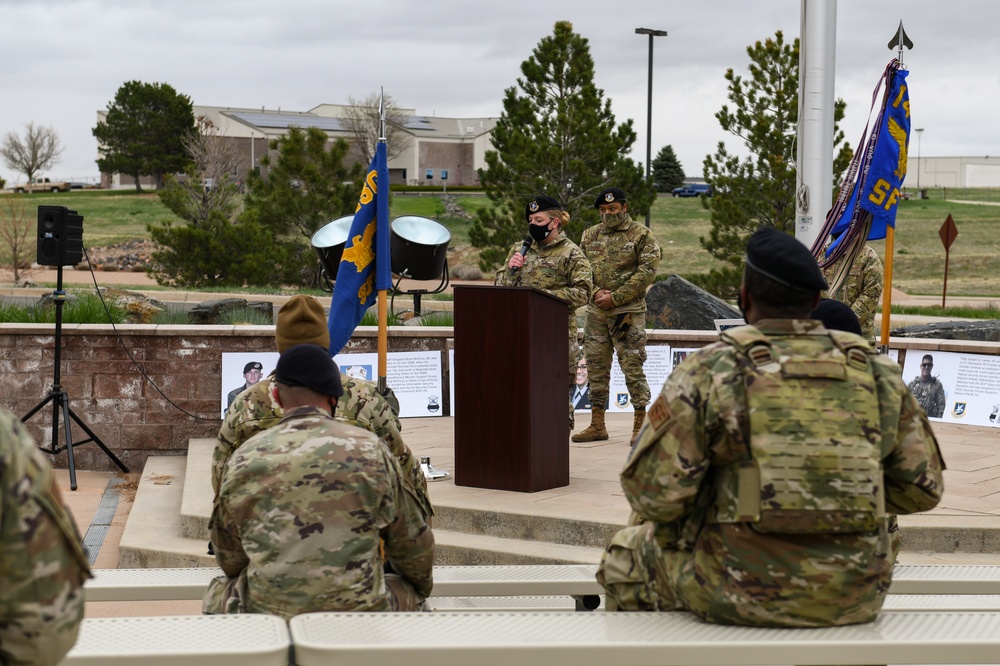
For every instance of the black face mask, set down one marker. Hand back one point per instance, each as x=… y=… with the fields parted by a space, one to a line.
x=539 y=232
x=739 y=304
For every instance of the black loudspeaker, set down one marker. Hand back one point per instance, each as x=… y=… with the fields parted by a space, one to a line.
x=60 y=236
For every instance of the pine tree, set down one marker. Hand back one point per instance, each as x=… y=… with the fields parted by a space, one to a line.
x=144 y=130
x=758 y=190
x=555 y=136
x=667 y=170
x=268 y=242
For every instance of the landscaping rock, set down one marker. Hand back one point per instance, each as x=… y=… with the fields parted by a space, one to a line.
x=141 y=309
x=210 y=312
x=986 y=330
x=677 y=304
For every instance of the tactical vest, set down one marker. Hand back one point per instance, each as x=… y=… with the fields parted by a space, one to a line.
x=814 y=437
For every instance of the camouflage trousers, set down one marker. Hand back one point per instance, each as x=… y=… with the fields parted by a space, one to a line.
x=230 y=596
x=624 y=334
x=636 y=573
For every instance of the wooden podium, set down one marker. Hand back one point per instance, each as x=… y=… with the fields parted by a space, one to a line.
x=511 y=389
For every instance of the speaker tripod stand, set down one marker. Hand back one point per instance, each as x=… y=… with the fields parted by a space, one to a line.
x=60 y=401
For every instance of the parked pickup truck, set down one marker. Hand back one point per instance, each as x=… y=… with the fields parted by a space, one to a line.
x=692 y=190
x=43 y=185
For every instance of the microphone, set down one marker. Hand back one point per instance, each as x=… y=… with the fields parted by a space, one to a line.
x=525 y=246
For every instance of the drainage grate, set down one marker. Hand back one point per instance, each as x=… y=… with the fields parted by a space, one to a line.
x=98 y=529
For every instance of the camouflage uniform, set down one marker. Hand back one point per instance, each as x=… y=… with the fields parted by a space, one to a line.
x=299 y=517
x=624 y=262
x=930 y=395
x=361 y=405
x=561 y=269
x=42 y=561
x=862 y=289
x=681 y=555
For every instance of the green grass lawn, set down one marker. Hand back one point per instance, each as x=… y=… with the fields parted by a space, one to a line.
x=918 y=265
x=973 y=262
x=109 y=216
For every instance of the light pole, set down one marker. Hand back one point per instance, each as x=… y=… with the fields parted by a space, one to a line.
x=920 y=133
x=649 y=105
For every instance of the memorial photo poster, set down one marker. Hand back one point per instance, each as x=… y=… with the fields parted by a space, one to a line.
x=415 y=377
x=233 y=364
x=659 y=363
x=677 y=354
x=726 y=324
x=451 y=380
x=970 y=384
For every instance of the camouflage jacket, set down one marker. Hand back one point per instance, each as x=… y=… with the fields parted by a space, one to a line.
x=930 y=395
x=862 y=289
x=737 y=574
x=559 y=268
x=42 y=561
x=300 y=513
x=361 y=405
x=624 y=261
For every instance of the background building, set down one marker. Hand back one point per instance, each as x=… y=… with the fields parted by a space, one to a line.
x=953 y=172
x=441 y=151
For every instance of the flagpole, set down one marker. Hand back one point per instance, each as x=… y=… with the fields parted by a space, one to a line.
x=890 y=236
x=383 y=309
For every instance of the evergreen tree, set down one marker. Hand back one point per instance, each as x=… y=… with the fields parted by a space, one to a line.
x=667 y=170
x=758 y=190
x=557 y=136
x=307 y=186
x=218 y=252
x=144 y=131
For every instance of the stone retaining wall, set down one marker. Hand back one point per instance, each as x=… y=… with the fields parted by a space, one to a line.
x=146 y=390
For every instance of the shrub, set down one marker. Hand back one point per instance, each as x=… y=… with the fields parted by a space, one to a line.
x=245 y=317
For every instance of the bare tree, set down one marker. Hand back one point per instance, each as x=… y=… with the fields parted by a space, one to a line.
x=361 y=119
x=211 y=183
x=39 y=149
x=15 y=229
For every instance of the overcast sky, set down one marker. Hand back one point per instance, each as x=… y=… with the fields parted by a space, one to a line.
x=62 y=60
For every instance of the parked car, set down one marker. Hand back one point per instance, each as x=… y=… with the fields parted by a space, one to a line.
x=692 y=190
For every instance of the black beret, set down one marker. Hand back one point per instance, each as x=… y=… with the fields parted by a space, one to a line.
x=309 y=366
x=836 y=316
x=780 y=257
x=540 y=203
x=610 y=195
x=252 y=365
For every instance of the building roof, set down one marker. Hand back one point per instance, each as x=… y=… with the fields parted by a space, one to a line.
x=327 y=117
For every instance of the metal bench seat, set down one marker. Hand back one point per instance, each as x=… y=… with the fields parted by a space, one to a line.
x=624 y=639
x=186 y=640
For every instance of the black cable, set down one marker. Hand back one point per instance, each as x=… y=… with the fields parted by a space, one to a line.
x=142 y=372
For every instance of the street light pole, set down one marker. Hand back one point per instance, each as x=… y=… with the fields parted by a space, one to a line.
x=920 y=133
x=649 y=105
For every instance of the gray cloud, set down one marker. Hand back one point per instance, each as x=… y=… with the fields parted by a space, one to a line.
x=65 y=59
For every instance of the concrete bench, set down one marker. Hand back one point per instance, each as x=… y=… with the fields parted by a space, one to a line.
x=912 y=603
x=190 y=640
x=522 y=604
x=666 y=639
x=894 y=603
x=568 y=580
x=450 y=581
